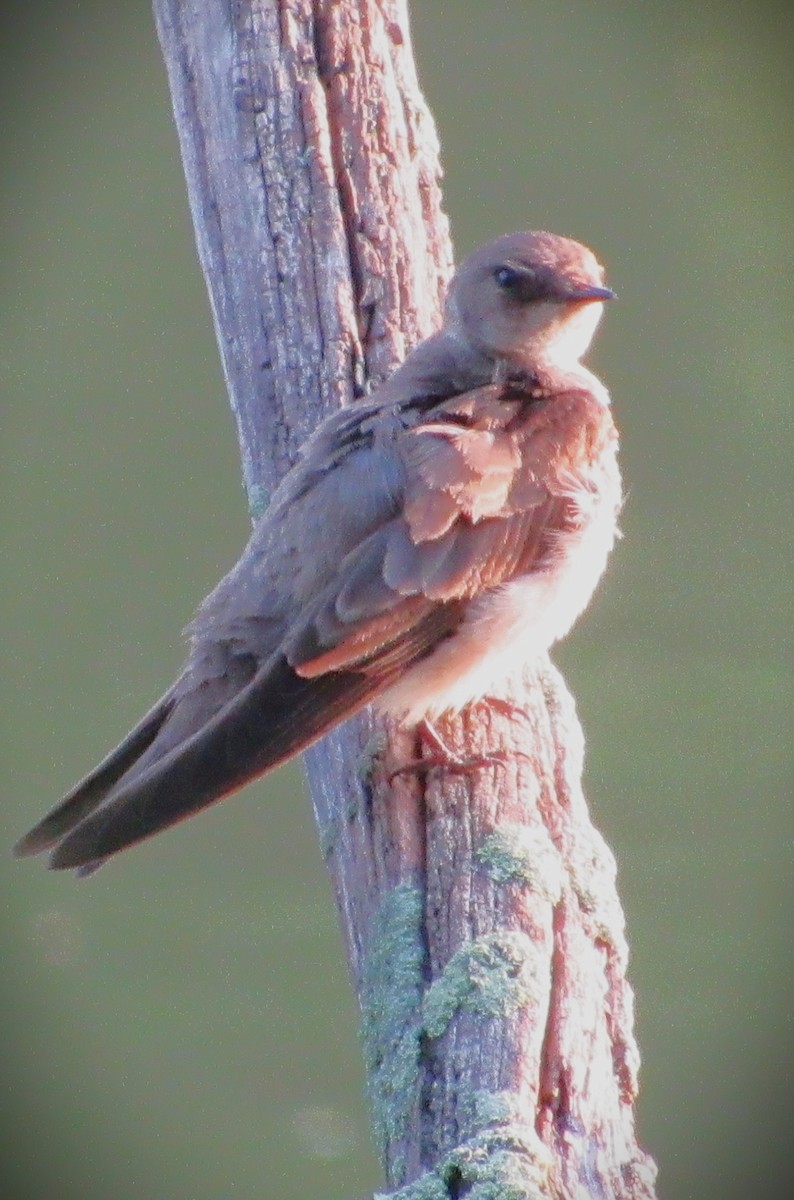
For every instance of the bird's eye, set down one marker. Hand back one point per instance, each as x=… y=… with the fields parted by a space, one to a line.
x=521 y=283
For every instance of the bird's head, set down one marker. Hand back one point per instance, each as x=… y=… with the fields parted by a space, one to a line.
x=528 y=300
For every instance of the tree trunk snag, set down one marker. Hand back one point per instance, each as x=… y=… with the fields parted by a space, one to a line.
x=483 y=928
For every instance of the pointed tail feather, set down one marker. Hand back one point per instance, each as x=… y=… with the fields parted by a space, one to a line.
x=275 y=717
x=194 y=746
x=91 y=791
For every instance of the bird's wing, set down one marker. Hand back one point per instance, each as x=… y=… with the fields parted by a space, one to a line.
x=275 y=717
x=478 y=508
x=89 y=793
x=238 y=628
x=365 y=561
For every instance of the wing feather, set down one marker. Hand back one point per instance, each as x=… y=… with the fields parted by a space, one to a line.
x=89 y=793
x=435 y=503
x=275 y=717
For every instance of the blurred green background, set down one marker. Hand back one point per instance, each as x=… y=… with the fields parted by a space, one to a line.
x=181 y=1026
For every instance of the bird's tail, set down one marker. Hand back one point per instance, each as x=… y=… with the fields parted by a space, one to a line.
x=90 y=792
x=137 y=792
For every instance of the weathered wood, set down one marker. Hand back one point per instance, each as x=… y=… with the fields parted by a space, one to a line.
x=483 y=928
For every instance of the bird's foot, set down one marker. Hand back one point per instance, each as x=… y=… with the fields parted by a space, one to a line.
x=442 y=757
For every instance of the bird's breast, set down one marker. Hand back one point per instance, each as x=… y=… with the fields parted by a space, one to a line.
x=509 y=626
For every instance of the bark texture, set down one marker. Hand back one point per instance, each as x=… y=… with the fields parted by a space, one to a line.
x=483 y=928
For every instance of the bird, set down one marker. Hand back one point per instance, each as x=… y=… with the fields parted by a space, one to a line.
x=428 y=539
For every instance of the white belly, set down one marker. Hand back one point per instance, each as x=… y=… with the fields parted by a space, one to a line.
x=510 y=626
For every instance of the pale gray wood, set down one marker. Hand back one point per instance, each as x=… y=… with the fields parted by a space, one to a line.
x=483 y=928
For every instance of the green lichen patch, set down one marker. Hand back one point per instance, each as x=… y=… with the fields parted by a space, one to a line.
x=483 y=1171
x=430 y=1187
x=391 y=1010
x=258 y=500
x=495 y=1108
x=485 y=1168
x=499 y=1120
x=494 y=976
x=522 y=854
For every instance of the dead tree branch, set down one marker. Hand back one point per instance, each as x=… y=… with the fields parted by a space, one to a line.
x=483 y=928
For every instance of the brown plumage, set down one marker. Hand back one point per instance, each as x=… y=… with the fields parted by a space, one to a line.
x=427 y=540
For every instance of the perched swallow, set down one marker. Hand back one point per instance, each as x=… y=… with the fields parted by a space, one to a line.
x=428 y=541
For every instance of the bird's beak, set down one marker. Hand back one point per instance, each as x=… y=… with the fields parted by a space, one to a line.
x=588 y=292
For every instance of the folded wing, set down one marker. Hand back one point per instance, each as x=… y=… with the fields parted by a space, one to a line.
x=357 y=571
